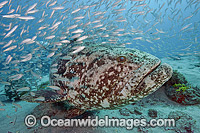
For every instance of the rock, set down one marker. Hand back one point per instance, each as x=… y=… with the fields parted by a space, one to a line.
x=137 y=111
x=59 y=110
x=180 y=91
x=11 y=90
x=176 y=78
x=3 y=97
x=152 y=113
x=184 y=122
x=190 y=96
x=124 y=112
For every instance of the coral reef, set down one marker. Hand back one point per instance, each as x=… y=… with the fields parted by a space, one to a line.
x=180 y=91
x=181 y=87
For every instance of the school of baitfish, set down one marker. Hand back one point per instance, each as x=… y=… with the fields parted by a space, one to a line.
x=33 y=33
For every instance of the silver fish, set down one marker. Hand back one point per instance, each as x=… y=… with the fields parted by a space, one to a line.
x=11 y=31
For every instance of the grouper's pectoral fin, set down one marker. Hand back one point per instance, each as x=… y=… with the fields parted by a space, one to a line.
x=43 y=96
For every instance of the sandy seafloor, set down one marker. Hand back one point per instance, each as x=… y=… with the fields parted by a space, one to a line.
x=158 y=101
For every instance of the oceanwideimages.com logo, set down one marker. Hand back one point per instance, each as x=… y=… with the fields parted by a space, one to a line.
x=46 y=121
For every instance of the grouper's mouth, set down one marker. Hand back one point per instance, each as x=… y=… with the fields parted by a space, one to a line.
x=144 y=70
x=151 y=70
x=150 y=81
x=137 y=77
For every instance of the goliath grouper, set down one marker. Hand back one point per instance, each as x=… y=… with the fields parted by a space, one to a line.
x=102 y=77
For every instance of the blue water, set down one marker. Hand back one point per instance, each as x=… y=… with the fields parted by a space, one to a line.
x=171 y=42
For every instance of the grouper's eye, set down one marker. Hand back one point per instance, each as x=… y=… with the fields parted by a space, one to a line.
x=121 y=59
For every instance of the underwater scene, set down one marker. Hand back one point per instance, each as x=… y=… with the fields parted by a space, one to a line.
x=99 y=66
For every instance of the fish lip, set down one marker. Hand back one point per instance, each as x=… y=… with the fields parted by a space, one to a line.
x=163 y=73
x=154 y=68
x=151 y=70
x=146 y=74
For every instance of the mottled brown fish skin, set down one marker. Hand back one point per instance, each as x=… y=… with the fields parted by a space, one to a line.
x=108 y=77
